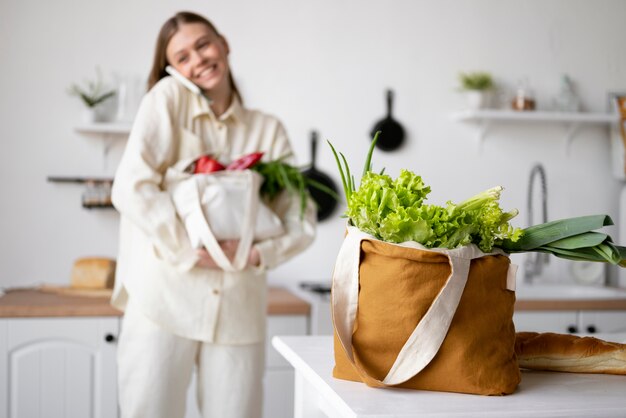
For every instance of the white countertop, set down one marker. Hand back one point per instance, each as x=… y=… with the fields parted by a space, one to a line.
x=540 y=394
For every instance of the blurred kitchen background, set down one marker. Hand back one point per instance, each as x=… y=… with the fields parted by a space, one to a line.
x=323 y=66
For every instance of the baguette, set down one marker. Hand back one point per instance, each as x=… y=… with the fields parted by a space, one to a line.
x=569 y=353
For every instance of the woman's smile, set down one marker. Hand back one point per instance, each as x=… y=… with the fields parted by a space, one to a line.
x=204 y=73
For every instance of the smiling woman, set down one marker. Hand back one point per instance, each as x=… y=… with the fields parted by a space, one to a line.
x=194 y=47
x=199 y=54
x=182 y=310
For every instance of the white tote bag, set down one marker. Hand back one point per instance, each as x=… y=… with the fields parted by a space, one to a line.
x=224 y=205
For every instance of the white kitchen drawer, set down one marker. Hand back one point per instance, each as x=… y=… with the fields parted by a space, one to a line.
x=546 y=321
x=603 y=321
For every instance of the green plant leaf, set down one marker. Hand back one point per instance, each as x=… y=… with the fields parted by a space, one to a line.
x=478 y=80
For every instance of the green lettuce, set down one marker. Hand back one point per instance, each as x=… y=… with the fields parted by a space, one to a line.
x=394 y=210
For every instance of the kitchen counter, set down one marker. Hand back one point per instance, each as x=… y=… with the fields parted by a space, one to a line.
x=540 y=394
x=569 y=297
x=570 y=305
x=22 y=303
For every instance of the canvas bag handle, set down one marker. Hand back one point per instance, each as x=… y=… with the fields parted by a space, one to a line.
x=247 y=226
x=425 y=341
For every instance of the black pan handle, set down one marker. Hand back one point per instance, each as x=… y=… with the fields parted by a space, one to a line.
x=313 y=148
x=389 y=102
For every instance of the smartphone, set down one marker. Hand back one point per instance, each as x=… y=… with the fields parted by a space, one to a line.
x=185 y=81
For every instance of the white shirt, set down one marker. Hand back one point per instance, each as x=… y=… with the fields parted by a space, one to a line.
x=156 y=261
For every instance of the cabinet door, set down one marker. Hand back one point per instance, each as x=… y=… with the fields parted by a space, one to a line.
x=546 y=321
x=59 y=367
x=603 y=321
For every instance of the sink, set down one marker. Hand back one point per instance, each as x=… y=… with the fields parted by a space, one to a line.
x=566 y=291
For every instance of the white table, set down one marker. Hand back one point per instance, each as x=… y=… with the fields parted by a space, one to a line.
x=541 y=394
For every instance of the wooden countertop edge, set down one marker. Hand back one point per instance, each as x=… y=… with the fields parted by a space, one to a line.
x=281 y=301
x=58 y=312
x=32 y=303
x=571 y=305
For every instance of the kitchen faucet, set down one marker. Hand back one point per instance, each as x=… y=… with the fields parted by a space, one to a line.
x=534 y=261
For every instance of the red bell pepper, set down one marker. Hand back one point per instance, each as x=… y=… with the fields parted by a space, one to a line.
x=245 y=162
x=206 y=164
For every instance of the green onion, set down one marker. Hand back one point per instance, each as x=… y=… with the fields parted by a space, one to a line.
x=368 y=161
x=347 y=179
x=347 y=186
x=279 y=176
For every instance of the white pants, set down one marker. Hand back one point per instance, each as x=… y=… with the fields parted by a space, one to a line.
x=155 y=368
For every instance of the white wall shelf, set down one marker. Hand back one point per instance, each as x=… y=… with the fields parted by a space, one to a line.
x=572 y=120
x=108 y=131
x=97 y=190
x=109 y=128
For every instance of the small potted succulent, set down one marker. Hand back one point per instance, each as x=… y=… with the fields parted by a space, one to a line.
x=477 y=87
x=93 y=94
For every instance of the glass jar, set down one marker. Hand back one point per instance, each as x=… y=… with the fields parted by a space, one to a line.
x=523 y=100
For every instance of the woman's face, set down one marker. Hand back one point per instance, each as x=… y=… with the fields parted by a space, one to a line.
x=200 y=54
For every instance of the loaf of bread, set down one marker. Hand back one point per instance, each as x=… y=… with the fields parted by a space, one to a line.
x=569 y=353
x=93 y=273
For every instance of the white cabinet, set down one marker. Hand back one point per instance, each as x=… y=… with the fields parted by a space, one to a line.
x=584 y=322
x=546 y=321
x=278 y=389
x=603 y=321
x=58 y=367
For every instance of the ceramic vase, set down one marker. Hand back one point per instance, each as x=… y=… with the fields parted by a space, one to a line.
x=90 y=115
x=477 y=99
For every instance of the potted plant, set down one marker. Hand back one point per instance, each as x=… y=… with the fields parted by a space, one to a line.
x=477 y=87
x=92 y=93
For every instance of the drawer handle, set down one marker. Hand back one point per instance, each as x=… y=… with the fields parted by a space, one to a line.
x=110 y=338
x=572 y=329
x=591 y=329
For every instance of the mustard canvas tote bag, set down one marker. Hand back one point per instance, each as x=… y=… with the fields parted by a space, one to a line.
x=430 y=319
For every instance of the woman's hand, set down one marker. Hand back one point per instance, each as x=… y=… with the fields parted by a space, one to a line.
x=229 y=247
x=254 y=258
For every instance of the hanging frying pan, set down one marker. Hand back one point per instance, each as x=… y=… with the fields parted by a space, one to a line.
x=326 y=203
x=392 y=133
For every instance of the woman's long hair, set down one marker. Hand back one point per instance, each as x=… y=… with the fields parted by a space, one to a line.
x=169 y=28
